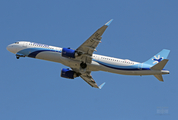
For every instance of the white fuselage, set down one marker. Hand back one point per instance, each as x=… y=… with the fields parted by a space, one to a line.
x=99 y=62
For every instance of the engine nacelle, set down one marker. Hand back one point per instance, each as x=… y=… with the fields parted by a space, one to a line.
x=69 y=53
x=66 y=73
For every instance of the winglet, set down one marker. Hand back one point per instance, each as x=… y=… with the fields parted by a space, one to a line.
x=109 y=22
x=102 y=85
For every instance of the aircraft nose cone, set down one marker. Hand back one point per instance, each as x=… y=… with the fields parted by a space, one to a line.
x=9 y=48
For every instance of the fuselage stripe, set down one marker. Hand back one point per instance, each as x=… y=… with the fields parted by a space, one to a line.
x=121 y=68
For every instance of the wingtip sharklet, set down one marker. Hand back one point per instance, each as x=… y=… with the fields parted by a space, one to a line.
x=102 y=85
x=109 y=22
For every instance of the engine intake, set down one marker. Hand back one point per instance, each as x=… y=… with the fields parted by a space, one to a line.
x=66 y=73
x=69 y=53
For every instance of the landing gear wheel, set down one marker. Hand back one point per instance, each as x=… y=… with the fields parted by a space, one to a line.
x=17 y=57
x=83 y=65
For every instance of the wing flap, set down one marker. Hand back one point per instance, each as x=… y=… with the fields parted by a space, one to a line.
x=89 y=80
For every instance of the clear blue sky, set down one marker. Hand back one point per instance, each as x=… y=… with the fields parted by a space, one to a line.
x=31 y=89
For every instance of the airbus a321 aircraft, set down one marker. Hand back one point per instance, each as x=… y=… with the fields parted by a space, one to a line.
x=82 y=61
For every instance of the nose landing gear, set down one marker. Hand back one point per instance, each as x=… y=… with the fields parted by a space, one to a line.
x=18 y=55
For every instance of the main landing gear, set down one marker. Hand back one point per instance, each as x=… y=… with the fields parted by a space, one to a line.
x=83 y=65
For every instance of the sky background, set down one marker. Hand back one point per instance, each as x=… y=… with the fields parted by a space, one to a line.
x=32 y=89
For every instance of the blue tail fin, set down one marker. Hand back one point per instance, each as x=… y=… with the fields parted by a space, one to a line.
x=158 y=57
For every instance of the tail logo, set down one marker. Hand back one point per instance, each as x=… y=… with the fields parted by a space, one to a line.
x=157 y=59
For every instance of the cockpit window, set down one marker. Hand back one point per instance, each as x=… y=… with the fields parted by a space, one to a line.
x=16 y=42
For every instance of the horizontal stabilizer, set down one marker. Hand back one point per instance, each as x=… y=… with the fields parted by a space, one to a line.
x=159 y=77
x=160 y=65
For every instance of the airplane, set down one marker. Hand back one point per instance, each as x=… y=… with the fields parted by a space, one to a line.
x=82 y=61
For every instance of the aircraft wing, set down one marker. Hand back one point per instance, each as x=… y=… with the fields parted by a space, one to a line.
x=89 y=46
x=88 y=78
x=86 y=50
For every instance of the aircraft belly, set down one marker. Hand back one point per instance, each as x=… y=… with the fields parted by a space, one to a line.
x=49 y=56
x=94 y=66
x=56 y=57
x=72 y=63
x=129 y=72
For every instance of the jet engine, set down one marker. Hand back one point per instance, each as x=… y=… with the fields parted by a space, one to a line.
x=69 y=53
x=67 y=73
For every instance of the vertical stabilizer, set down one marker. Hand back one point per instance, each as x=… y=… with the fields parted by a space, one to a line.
x=158 y=57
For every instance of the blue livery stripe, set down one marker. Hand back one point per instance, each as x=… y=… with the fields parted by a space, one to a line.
x=133 y=67
x=32 y=52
